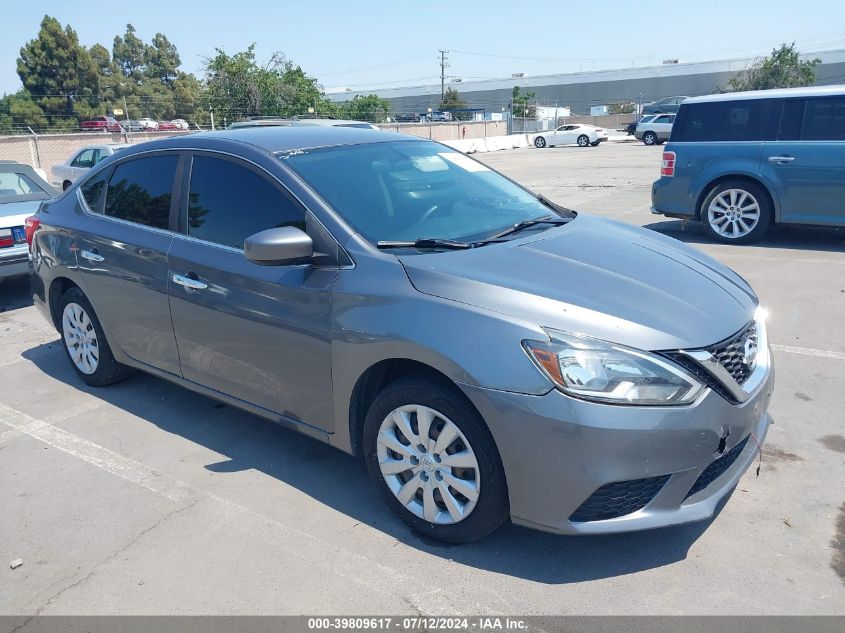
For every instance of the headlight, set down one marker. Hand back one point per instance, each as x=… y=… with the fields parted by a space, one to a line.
x=598 y=370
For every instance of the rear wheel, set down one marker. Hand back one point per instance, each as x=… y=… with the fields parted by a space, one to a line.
x=85 y=342
x=434 y=461
x=650 y=138
x=539 y=142
x=736 y=212
x=583 y=140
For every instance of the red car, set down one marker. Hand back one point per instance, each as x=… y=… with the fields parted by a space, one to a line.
x=101 y=124
x=167 y=125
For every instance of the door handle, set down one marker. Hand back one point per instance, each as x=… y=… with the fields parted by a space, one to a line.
x=91 y=256
x=193 y=284
x=781 y=159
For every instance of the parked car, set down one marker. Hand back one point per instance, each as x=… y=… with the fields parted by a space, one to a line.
x=132 y=125
x=101 y=124
x=439 y=115
x=404 y=302
x=631 y=128
x=572 y=133
x=21 y=192
x=408 y=117
x=66 y=173
x=167 y=126
x=665 y=105
x=181 y=124
x=655 y=130
x=148 y=124
x=743 y=161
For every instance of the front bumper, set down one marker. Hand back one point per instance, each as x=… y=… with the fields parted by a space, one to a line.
x=557 y=451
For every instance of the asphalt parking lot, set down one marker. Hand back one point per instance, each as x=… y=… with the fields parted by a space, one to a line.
x=146 y=498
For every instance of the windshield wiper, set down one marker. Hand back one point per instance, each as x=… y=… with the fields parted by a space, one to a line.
x=519 y=226
x=427 y=242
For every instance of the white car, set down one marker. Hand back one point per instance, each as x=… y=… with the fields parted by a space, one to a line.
x=182 y=124
x=579 y=134
x=148 y=124
x=65 y=174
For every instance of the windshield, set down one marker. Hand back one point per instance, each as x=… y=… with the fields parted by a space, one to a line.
x=406 y=190
x=13 y=185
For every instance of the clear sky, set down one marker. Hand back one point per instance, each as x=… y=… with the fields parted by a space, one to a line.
x=393 y=43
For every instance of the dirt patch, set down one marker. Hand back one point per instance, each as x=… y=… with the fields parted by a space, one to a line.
x=776 y=454
x=833 y=443
x=837 y=563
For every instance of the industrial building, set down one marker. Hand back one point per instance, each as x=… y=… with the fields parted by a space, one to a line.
x=581 y=91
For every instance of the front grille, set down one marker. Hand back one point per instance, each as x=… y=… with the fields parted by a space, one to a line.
x=618 y=499
x=730 y=354
x=717 y=468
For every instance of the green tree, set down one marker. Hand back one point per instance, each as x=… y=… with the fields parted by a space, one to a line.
x=129 y=53
x=370 y=108
x=784 y=68
x=622 y=108
x=161 y=60
x=18 y=110
x=59 y=73
x=452 y=101
x=522 y=106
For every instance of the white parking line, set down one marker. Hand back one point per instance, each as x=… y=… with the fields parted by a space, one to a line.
x=807 y=351
x=347 y=564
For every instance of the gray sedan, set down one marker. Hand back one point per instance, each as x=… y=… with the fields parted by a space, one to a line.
x=489 y=354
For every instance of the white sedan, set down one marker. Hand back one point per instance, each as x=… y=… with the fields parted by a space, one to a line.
x=579 y=134
x=65 y=174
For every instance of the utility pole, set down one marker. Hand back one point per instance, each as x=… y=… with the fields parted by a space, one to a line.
x=444 y=64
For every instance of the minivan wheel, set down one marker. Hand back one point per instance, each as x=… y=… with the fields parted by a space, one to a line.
x=85 y=342
x=650 y=138
x=434 y=461
x=583 y=140
x=736 y=212
x=539 y=142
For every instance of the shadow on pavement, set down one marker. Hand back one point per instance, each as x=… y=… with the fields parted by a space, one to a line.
x=341 y=482
x=14 y=293
x=790 y=237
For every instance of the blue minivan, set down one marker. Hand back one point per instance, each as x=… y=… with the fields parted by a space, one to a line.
x=740 y=162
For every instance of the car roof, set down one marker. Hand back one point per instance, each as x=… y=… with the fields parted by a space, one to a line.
x=275 y=139
x=12 y=167
x=777 y=93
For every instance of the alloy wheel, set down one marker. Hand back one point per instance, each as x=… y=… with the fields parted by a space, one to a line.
x=80 y=338
x=733 y=213
x=428 y=464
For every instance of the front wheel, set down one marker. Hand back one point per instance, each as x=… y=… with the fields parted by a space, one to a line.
x=539 y=142
x=736 y=212
x=434 y=461
x=650 y=138
x=583 y=140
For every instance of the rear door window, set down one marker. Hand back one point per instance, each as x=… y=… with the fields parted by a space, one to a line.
x=140 y=190
x=228 y=202
x=740 y=120
x=824 y=120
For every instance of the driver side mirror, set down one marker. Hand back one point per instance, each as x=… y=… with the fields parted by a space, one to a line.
x=276 y=247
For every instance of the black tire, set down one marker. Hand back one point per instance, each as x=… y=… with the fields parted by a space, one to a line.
x=491 y=509
x=66 y=185
x=108 y=370
x=650 y=138
x=539 y=142
x=759 y=195
x=583 y=141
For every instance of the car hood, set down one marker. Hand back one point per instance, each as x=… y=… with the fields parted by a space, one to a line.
x=599 y=278
x=14 y=213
